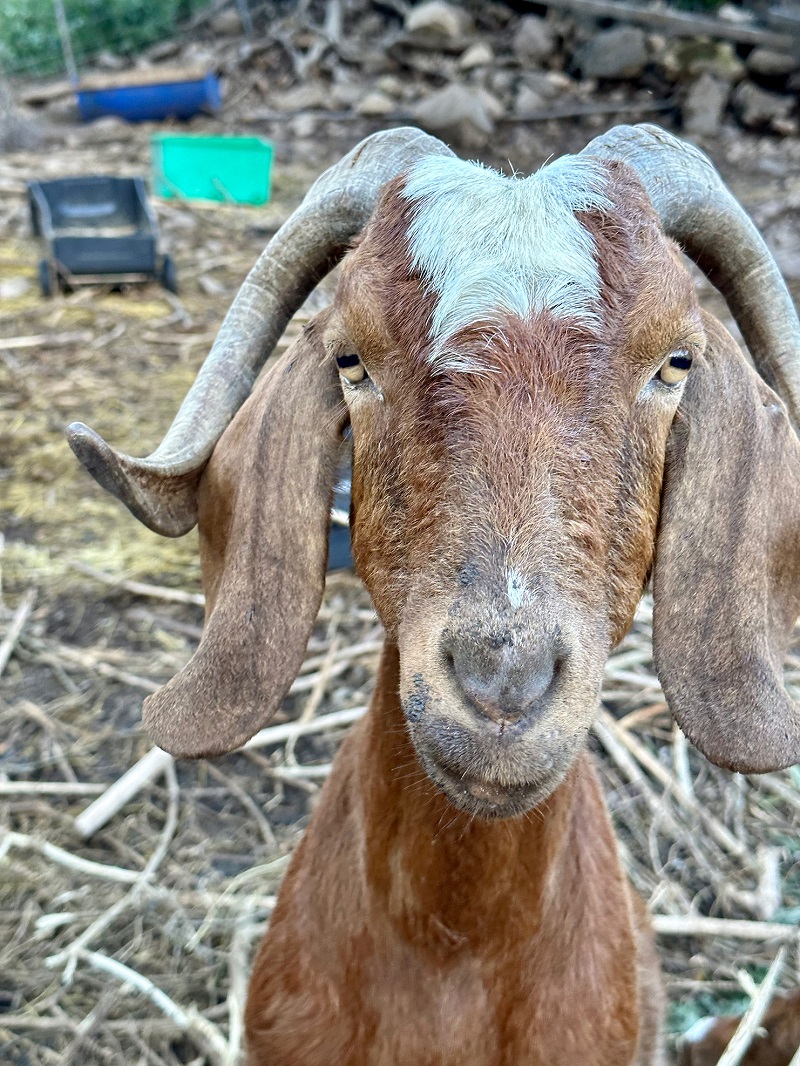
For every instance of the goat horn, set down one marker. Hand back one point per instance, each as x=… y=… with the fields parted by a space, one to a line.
x=700 y=213
x=161 y=490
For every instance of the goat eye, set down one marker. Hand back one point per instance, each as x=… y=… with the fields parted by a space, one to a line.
x=675 y=367
x=351 y=368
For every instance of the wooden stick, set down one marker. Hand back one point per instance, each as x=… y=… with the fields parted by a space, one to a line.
x=139 y=588
x=751 y=1019
x=66 y=858
x=735 y=928
x=122 y=791
x=150 y=765
x=20 y=617
x=44 y=340
x=680 y=23
x=50 y=788
x=207 y=1035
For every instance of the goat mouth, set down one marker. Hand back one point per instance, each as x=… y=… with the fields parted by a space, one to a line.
x=484 y=798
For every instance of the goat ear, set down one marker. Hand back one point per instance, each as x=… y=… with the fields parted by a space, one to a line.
x=726 y=580
x=264 y=514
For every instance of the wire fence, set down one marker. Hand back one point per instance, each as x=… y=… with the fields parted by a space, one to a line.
x=31 y=45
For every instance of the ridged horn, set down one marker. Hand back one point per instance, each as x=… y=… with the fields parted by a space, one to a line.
x=161 y=490
x=699 y=212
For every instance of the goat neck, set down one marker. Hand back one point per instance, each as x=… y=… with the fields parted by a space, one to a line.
x=448 y=930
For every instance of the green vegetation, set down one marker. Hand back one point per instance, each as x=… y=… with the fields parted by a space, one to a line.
x=29 y=40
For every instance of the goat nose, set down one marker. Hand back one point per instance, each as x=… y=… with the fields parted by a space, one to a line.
x=503 y=682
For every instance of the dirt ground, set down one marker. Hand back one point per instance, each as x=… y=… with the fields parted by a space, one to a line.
x=179 y=885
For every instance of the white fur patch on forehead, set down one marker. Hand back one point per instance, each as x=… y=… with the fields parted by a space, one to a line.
x=488 y=244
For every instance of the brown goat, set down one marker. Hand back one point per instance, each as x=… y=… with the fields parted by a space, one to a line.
x=542 y=419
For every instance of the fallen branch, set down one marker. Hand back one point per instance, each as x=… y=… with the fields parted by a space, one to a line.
x=45 y=340
x=139 y=588
x=18 y=620
x=735 y=928
x=66 y=858
x=678 y=23
x=207 y=1036
x=751 y=1019
x=50 y=788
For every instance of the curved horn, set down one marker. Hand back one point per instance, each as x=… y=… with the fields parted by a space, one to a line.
x=161 y=490
x=699 y=212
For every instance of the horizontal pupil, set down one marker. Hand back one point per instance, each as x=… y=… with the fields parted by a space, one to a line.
x=680 y=362
x=345 y=361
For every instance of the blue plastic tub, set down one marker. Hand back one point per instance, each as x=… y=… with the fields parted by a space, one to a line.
x=151 y=101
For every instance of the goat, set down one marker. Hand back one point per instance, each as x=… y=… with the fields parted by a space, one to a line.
x=543 y=420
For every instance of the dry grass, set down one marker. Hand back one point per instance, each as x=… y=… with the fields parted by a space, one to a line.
x=179 y=885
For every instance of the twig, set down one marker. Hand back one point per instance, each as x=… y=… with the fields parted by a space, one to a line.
x=45 y=340
x=124 y=789
x=18 y=621
x=237 y=988
x=132 y=781
x=681 y=23
x=50 y=788
x=721 y=834
x=751 y=1019
x=204 y=1032
x=735 y=928
x=314 y=699
x=66 y=858
x=247 y=802
x=139 y=588
x=70 y=953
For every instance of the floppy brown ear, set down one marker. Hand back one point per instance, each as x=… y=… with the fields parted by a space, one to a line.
x=726 y=580
x=264 y=513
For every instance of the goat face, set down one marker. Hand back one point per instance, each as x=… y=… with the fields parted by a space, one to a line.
x=512 y=355
x=506 y=476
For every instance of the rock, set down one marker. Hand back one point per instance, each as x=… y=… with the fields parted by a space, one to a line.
x=783 y=237
x=500 y=81
x=303 y=127
x=105 y=130
x=690 y=58
x=704 y=105
x=106 y=60
x=304 y=97
x=495 y=108
x=758 y=109
x=528 y=102
x=227 y=23
x=456 y=113
x=13 y=288
x=391 y=85
x=767 y=64
x=620 y=52
x=547 y=85
x=346 y=94
x=439 y=18
x=477 y=55
x=376 y=103
x=534 y=40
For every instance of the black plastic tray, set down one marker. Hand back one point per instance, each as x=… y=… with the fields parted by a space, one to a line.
x=97 y=229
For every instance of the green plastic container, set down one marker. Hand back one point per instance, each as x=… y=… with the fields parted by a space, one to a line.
x=230 y=169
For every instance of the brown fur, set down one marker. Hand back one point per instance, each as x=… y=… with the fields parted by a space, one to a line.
x=458 y=896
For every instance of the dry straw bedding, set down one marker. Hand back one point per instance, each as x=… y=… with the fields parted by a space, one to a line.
x=135 y=946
